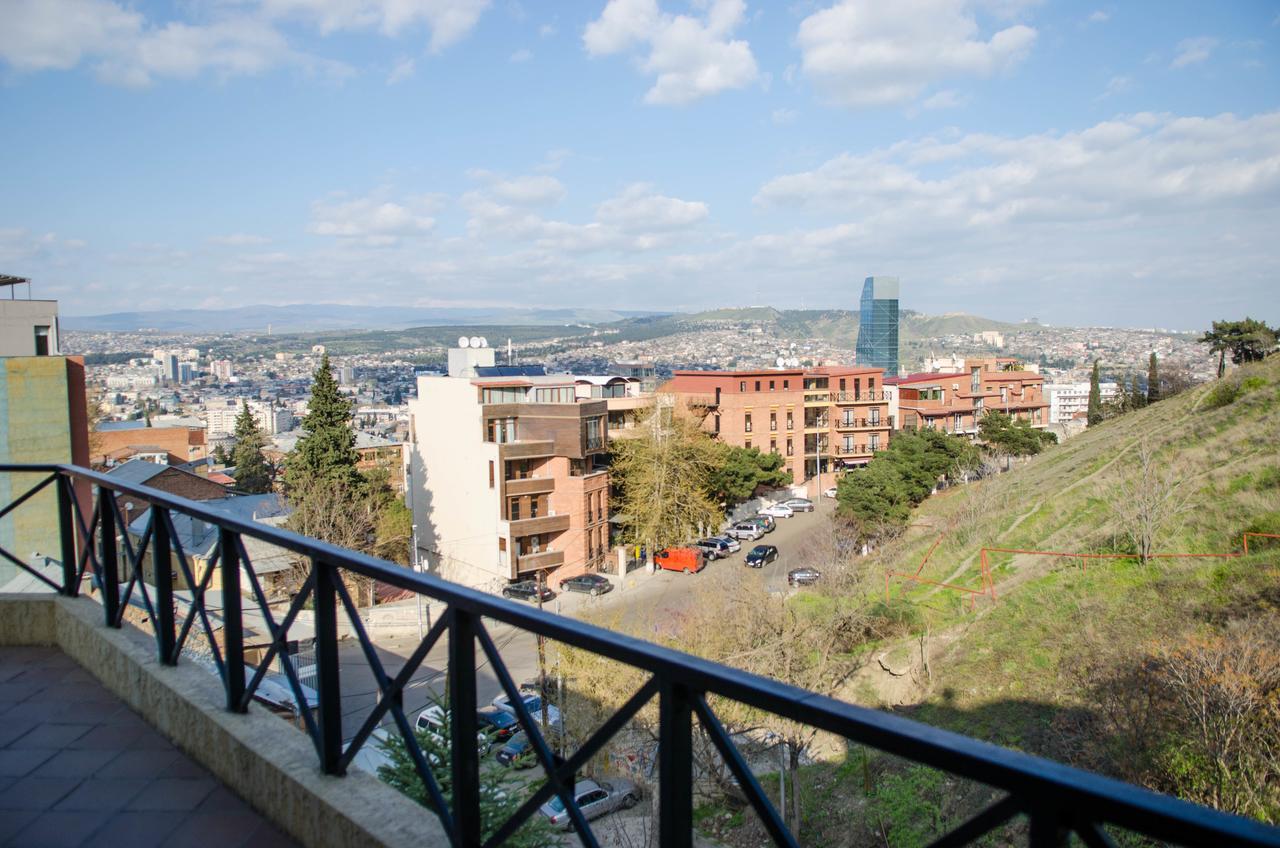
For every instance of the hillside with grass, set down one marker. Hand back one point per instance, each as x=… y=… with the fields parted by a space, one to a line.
x=1164 y=672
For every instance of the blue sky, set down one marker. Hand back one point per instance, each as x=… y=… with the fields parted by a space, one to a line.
x=1085 y=163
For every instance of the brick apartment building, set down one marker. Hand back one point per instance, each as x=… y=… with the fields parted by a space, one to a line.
x=119 y=444
x=954 y=403
x=820 y=420
x=506 y=473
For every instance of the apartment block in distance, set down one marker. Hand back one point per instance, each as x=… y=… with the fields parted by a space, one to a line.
x=954 y=403
x=821 y=420
x=506 y=473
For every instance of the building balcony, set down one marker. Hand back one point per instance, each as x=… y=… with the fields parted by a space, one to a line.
x=858 y=397
x=184 y=665
x=864 y=424
x=817 y=398
x=526 y=449
x=530 y=486
x=539 y=561
x=541 y=524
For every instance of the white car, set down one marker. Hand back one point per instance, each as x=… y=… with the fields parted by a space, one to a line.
x=745 y=530
x=799 y=504
x=778 y=511
x=829 y=493
x=371 y=754
x=431 y=721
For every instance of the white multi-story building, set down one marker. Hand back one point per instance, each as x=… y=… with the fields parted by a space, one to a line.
x=1069 y=400
x=222 y=369
x=221 y=413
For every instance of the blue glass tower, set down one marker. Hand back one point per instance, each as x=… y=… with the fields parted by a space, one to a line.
x=878 y=325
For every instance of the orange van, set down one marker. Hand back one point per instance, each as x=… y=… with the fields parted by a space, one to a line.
x=688 y=560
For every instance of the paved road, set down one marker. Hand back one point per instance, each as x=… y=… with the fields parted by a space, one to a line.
x=637 y=599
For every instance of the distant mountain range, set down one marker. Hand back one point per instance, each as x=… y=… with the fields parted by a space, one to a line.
x=305 y=317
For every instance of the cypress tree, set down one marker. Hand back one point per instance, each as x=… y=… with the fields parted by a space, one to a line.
x=253 y=475
x=326 y=451
x=1153 y=379
x=1095 y=397
x=1137 y=399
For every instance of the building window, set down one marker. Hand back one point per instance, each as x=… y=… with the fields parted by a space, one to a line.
x=533 y=506
x=502 y=395
x=847 y=446
x=786 y=384
x=1004 y=394
x=595 y=434
x=747 y=445
x=502 y=430
x=42 y=341
x=742 y=385
x=871 y=385
x=771 y=385
x=513 y=509
x=790 y=448
x=535 y=544
x=757 y=385
x=959 y=422
x=491 y=474
x=558 y=394
x=773 y=446
x=875 y=441
x=773 y=422
x=857 y=388
x=875 y=415
x=791 y=421
x=746 y=423
x=842 y=384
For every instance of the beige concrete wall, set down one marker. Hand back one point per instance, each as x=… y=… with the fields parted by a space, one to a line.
x=270 y=764
x=457 y=513
x=18 y=320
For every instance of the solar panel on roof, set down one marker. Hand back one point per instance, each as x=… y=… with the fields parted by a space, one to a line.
x=511 y=371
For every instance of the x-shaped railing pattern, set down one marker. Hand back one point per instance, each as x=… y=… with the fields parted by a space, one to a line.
x=1056 y=799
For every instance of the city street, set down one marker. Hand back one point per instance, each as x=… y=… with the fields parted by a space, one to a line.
x=638 y=599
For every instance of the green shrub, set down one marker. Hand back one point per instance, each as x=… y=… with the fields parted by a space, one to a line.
x=1222 y=394
x=1267 y=478
x=1252 y=383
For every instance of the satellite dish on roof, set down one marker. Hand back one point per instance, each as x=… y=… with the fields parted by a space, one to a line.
x=462 y=341
x=780 y=361
x=475 y=341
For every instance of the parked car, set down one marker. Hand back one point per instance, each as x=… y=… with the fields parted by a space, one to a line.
x=829 y=492
x=688 y=560
x=499 y=724
x=533 y=704
x=432 y=720
x=804 y=576
x=594 y=799
x=518 y=752
x=761 y=555
x=799 y=504
x=778 y=511
x=733 y=544
x=526 y=590
x=750 y=530
x=590 y=584
x=372 y=753
x=766 y=521
x=713 y=548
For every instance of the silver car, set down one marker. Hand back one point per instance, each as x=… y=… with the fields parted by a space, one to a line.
x=594 y=799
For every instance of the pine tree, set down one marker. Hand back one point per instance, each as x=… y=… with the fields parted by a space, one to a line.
x=326 y=452
x=1137 y=399
x=1153 y=379
x=1095 y=397
x=253 y=475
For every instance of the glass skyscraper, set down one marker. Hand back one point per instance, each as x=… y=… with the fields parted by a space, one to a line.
x=878 y=325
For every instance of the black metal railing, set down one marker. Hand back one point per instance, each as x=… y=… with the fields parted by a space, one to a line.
x=1058 y=800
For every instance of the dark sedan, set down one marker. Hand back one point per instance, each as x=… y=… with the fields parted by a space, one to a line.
x=518 y=752
x=590 y=584
x=803 y=576
x=498 y=724
x=526 y=590
x=762 y=555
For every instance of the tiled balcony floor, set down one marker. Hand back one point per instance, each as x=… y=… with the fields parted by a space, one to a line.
x=78 y=767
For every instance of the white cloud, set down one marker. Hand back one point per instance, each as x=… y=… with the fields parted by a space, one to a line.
x=402 y=71
x=547 y=30
x=532 y=190
x=868 y=53
x=239 y=240
x=690 y=56
x=126 y=49
x=373 y=221
x=947 y=99
x=519 y=56
x=1098 y=17
x=782 y=117
x=449 y=20
x=640 y=209
x=1116 y=85
x=1192 y=51
x=1138 y=165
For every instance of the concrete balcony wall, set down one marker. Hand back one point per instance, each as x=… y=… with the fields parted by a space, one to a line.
x=530 y=486
x=270 y=764
x=541 y=524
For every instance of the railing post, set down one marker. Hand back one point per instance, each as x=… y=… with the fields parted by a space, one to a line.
x=66 y=529
x=327 y=679
x=465 y=758
x=1046 y=828
x=162 y=574
x=232 y=623
x=675 y=766
x=108 y=564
